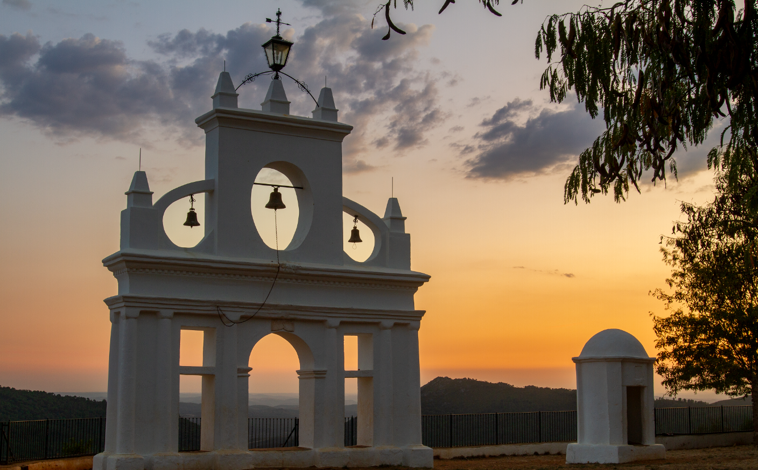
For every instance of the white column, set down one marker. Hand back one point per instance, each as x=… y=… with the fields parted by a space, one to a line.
x=333 y=401
x=165 y=412
x=111 y=415
x=383 y=385
x=243 y=392
x=414 y=382
x=208 y=403
x=127 y=382
x=366 y=391
x=313 y=432
x=226 y=388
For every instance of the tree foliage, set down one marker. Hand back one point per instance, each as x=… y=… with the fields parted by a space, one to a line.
x=659 y=72
x=21 y=405
x=710 y=340
x=389 y=4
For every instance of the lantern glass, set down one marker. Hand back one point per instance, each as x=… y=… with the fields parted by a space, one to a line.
x=277 y=50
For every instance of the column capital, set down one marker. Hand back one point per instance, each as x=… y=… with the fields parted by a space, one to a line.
x=332 y=323
x=165 y=314
x=386 y=325
x=130 y=312
x=311 y=374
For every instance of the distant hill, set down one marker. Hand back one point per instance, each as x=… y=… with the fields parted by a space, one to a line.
x=444 y=395
x=21 y=405
x=734 y=402
x=678 y=402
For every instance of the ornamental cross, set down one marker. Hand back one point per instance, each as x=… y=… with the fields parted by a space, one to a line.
x=278 y=20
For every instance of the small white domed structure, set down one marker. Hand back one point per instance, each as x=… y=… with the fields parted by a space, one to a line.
x=613 y=343
x=614 y=390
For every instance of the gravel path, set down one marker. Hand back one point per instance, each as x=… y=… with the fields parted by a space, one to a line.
x=717 y=458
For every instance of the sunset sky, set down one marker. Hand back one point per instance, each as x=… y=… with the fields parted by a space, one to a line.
x=452 y=111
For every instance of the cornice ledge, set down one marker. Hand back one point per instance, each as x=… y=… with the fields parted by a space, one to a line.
x=255 y=116
x=124 y=262
x=277 y=311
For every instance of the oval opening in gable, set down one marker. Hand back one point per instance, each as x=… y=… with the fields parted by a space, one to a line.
x=275 y=227
x=175 y=217
x=357 y=251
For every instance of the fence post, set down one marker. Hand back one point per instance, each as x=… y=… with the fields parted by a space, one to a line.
x=3 y=444
x=497 y=430
x=539 y=425
x=47 y=434
x=451 y=430
x=689 y=420
x=722 y=418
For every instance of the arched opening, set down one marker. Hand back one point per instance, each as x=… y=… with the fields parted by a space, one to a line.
x=176 y=215
x=274 y=394
x=357 y=251
x=276 y=227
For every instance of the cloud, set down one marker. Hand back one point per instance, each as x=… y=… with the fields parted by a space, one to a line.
x=24 y=5
x=548 y=140
x=520 y=140
x=83 y=86
x=554 y=272
x=91 y=87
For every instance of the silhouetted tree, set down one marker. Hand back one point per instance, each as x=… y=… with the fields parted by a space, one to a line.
x=710 y=339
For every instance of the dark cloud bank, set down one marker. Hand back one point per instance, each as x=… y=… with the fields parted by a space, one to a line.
x=90 y=86
x=511 y=146
x=545 y=141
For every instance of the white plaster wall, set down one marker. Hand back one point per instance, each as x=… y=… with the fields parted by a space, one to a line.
x=319 y=296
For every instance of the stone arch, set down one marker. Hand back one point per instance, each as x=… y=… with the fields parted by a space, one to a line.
x=303 y=350
x=306 y=373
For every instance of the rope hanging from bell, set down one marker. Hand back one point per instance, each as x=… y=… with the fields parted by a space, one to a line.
x=192 y=215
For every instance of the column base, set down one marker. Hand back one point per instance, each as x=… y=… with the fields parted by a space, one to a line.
x=417 y=456
x=600 y=453
x=124 y=462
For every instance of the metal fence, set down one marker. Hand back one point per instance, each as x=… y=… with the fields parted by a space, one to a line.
x=703 y=420
x=50 y=439
x=351 y=431
x=465 y=430
x=57 y=438
x=189 y=434
x=266 y=433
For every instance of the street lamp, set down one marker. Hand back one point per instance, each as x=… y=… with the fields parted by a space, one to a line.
x=276 y=48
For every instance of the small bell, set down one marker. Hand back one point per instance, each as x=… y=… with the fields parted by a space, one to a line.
x=355 y=236
x=275 y=200
x=192 y=215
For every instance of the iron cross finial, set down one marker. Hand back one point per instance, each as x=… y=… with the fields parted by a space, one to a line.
x=278 y=21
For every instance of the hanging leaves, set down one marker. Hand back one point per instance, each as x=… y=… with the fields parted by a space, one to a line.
x=660 y=72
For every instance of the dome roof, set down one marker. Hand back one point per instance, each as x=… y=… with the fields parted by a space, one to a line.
x=613 y=343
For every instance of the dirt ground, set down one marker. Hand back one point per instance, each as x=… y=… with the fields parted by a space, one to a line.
x=717 y=458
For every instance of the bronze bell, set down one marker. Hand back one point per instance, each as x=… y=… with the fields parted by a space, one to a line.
x=275 y=200
x=192 y=215
x=192 y=219
x=355 y=236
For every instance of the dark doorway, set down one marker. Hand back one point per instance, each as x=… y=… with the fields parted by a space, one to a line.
x=634 y=415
